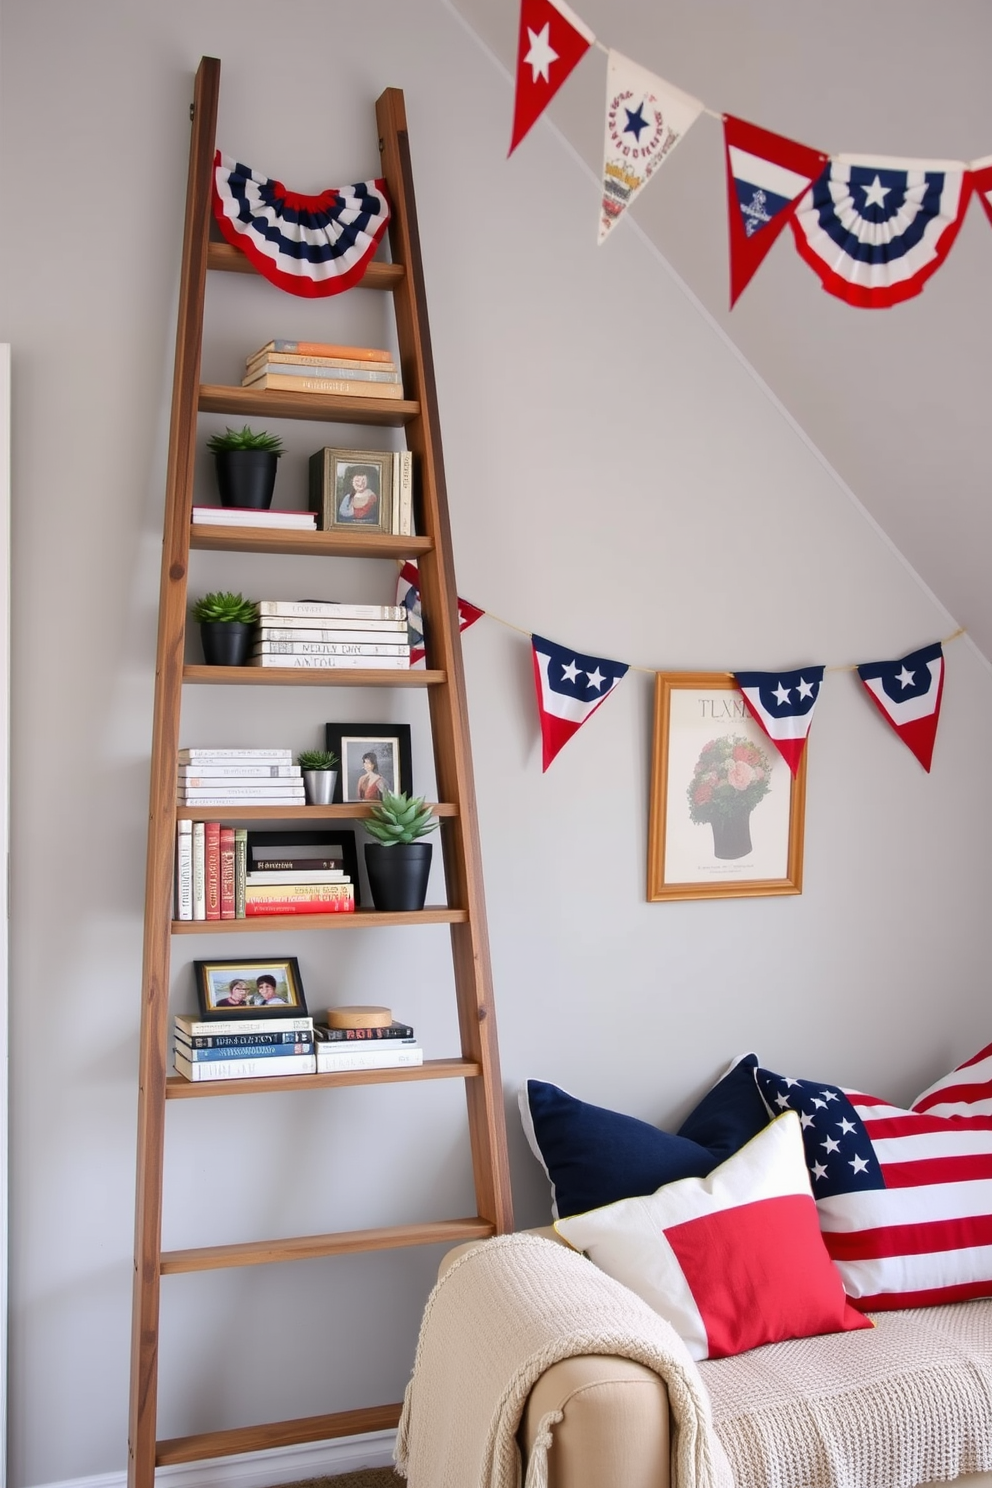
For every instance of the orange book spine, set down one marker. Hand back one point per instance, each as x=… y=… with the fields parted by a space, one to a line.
x=323 y=348
x=211 y=860
x=227 y=873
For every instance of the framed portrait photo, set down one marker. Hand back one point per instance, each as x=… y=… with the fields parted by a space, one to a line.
x=375 y=758
x=352 y=490
x=727 y=816
x=256 y=989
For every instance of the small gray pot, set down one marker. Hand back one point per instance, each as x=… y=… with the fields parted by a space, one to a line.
x=319 y=786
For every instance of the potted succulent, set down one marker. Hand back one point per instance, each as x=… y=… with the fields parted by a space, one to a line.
x=226 y=622
x=246 y=462
x=320 y=775
x=398 y=863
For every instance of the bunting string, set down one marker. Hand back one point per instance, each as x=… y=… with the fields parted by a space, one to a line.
x=873 y=228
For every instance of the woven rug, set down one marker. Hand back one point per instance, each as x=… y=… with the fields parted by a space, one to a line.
x=368 y=1477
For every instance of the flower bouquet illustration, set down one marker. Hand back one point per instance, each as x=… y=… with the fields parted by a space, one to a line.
x=731 y=776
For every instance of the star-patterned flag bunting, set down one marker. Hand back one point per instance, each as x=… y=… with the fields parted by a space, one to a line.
x=553 y=40
x=875 y=230
x=408 y=595
x=907 y=693
x=570 y=687
x=981 y=180
x=782 y=703
x=767 y=175
x=645 y=119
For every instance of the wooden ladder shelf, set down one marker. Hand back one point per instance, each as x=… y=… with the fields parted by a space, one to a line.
x=478 y=1064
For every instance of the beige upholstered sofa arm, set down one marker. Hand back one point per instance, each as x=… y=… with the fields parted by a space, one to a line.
x=614 y=1427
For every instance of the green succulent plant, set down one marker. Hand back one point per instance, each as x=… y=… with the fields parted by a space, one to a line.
x=244 y=439
x=400 y=818
x=317 y=759
x=229 y=608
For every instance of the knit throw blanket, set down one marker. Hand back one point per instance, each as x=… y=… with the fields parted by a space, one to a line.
x=907 y=1402
x=499 y=1317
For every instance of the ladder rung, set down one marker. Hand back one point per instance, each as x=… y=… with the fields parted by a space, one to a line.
x=311 y=676
x=226 y=256
x=306 y=1247
x=249 y=403
x=276 y=1434
x=177 y=1087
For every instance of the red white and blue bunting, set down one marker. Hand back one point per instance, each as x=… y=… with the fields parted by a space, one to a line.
x=309 y=245
x=873 y=229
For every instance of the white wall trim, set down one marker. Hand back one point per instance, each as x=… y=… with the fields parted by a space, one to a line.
x=261 y=1469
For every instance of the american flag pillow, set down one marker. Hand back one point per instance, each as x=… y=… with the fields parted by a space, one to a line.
x=904 y=1197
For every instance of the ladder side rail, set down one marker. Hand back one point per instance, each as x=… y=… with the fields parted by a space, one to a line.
x=162 y=793
x=449 y=715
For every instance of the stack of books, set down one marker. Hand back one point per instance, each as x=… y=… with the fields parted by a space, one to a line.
x=245 y=516
x=243 y=1048
x=239 y=777
x=321 y=367
x=297 y=877
x=305 y=633
x=391 y=1045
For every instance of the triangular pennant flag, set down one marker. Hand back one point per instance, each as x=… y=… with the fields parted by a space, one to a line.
x=782 y=703
x=570 y=687
x=766 y=176
x=553 y=40
x=645 y=119
x=408 y=595
x=908 y=692
x=875 y=230
x=981 y=180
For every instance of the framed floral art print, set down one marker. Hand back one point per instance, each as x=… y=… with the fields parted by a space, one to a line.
x=727 y=816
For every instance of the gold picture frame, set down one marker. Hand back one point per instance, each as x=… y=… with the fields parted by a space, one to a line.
x=351 y=490
x=727 y=817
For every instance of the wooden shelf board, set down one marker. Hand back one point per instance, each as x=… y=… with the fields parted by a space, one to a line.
x=353 y=811
x=228 y=258
x=252 y=676
x=177 y=1087
x=359 y=919
x=307 y=1247
x=248 y=403
x=276 y=1434
x=306 y=544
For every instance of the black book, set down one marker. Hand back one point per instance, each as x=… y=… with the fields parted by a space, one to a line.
x=362 y=1035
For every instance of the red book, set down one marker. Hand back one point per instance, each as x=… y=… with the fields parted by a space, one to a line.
x=299 y=906
x=227 y=873
x=211 y=861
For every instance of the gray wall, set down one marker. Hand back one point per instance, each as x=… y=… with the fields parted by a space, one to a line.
x=619 y=481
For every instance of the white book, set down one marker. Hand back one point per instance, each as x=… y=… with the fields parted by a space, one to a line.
x=331 y=626
x=337 y=663
x=199 y=873
x=371 y=372
x=331 y=648
x=263 y=756
x=246 y=1069
x=208 y=770
x=403 y=494
x=243 y=792
x=228 y=516
x=268 y=800
x=184 y=870
x=192 y=1027
x=331 y=609
x=314 y=635
x=331 y=1057
x=296 y=876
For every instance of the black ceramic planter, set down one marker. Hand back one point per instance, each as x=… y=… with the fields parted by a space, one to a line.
x=398 y=875
x=225 y=642
x=246 y=477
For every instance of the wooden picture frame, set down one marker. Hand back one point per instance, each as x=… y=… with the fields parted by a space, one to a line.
x=352 y=490
x=389 y=743
x=726 y=815
x=269 y=987
x=336 y=845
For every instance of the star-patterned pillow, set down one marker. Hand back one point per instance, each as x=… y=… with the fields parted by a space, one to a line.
x=904 y=1196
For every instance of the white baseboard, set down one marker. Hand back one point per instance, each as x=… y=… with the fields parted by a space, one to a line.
x=262 y=1469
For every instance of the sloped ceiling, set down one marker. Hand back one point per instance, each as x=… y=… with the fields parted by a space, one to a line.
x=896 y=400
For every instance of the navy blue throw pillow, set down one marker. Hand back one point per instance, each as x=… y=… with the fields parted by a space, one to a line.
x=594 y=1156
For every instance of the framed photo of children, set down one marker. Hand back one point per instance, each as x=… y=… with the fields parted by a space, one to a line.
x=255 y=989
x=375 y=758
x=727 y=816
x=352 y=490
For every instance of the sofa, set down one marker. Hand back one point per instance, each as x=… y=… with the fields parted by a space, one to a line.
x=793 y=1291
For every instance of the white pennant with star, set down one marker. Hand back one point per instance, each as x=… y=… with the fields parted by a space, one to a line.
x=645 y=119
